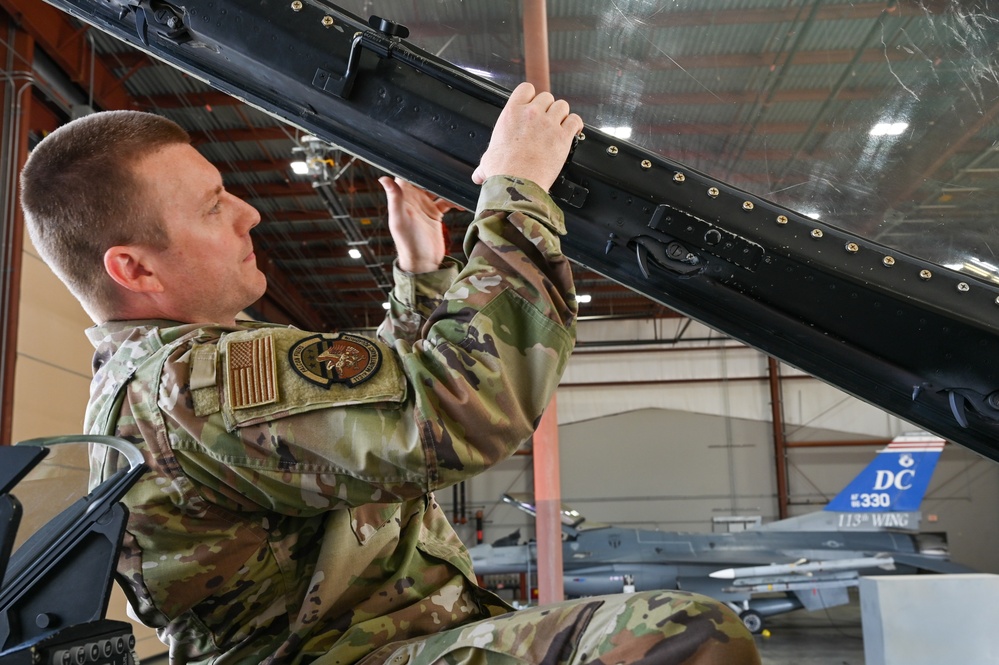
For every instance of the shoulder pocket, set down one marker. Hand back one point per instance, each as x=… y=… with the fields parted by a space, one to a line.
x=276 y=372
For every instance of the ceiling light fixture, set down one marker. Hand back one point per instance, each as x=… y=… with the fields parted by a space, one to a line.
x=300 y=168
x=354 y=253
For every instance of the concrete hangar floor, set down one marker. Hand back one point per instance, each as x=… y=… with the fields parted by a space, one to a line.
x=830 y=637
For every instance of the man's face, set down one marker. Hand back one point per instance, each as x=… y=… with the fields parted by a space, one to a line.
x=208 y=269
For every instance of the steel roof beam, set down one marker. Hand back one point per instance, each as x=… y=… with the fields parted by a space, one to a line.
x=68 y=46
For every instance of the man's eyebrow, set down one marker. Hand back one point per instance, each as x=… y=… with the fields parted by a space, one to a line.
x=214 y=193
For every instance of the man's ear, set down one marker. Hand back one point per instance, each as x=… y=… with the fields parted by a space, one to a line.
x=131 y=268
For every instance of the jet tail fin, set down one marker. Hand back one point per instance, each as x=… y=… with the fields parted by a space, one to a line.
x=896 y=480
x=885 y=495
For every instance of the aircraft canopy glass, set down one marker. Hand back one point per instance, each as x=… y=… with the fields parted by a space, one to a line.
x=878 y=118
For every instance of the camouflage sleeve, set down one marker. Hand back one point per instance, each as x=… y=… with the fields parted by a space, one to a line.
x=496 y=348
x=436 y=410
x=414 y=296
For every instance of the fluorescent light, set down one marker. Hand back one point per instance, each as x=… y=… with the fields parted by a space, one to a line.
x=621 y=132
x=583 y=297
x=889 y=128
x=300 y=168
x=354 y=253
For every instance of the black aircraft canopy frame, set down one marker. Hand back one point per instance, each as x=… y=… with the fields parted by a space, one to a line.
x=909 y=336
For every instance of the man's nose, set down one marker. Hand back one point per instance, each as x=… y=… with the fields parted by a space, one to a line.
x=248 y=215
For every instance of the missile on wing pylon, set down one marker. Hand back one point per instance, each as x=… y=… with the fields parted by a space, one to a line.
x=885 y=562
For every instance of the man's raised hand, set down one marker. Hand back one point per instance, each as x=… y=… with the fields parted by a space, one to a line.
x=531 y=139
x=416 y=224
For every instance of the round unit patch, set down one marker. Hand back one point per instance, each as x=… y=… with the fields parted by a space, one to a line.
x=338 y=358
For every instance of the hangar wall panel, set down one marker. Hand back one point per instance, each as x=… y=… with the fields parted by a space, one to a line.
x=53 y=355
x=671 y=365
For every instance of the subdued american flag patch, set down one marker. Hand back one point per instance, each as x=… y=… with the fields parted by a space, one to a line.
x=252 y=373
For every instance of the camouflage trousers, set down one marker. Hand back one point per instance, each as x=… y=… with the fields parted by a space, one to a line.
x=653 y=628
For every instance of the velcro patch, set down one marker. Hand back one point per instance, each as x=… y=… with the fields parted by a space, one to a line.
x=203 y=357
x=336 y=358
x=374 y=377
x=251 y=372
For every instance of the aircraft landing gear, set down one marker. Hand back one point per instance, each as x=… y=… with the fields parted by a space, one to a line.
x=752 y=620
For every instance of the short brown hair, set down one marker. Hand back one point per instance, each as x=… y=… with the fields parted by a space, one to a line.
x=80 y=198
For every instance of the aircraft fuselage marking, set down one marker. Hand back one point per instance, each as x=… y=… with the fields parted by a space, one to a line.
x=881 y=520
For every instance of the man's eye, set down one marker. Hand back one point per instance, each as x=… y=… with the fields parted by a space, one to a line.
x=214 y=210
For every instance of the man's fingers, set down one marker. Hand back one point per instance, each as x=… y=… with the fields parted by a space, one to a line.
x=444 y=206
x=413 y=199
x=530 y=138
x=573 y=122
x=560 y=109
x=522 y=94
x=421 y=199
x=389 y=185
x=544 y=101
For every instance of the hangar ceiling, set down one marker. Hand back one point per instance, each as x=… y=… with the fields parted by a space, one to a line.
x=877 y=117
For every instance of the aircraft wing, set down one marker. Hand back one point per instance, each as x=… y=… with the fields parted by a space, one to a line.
x=933 y=564
x=813 y=592
x=804 y=291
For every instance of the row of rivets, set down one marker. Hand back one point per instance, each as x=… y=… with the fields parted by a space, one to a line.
x=646 y=164
x=924 y=274
x=851 y=247
x=713 y=192
x=297 y=6
x=613 y=150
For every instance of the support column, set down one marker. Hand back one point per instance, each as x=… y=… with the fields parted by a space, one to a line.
x=536 y=63
x=780 y=443
x=548 y=504
x=547 y=486
x=16 y=54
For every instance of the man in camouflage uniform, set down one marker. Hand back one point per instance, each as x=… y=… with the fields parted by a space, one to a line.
x=289 y=514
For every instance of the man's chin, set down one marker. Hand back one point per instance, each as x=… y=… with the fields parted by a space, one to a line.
x=257 y=293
